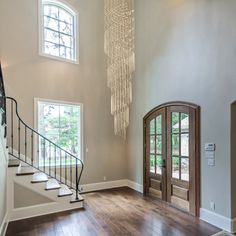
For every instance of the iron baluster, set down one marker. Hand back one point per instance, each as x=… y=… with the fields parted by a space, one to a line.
x=25 y=144
x=19 y=139
x=55 y=159
x=49 y=158
x=32 y=147
x=38 y=151
x=12 y=123
x=71 y=171
x=44 y=155
x=65 y=169
x=77 y=184
x=60 y=163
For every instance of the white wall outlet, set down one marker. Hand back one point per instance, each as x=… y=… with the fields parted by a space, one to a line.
x=212 y=206
x=86 y=149
x=104 y=178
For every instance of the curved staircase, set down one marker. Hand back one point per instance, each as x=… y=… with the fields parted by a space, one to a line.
x=38 y=163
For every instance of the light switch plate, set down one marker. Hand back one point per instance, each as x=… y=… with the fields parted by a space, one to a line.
x=211 y=162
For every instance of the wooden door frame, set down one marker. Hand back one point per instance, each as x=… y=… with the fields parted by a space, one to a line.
x=196 y=207
x=161 y=112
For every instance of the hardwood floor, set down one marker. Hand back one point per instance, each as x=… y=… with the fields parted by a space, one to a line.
x=119 y=211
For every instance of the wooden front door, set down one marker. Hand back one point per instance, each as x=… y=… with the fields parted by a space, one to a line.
x=171 y=155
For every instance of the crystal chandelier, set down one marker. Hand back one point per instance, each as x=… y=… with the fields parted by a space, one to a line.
x=119 y=48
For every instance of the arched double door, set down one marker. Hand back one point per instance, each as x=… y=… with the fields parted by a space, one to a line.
x=171 y=155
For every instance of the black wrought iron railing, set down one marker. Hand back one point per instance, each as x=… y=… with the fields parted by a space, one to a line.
x=34 y=149
x=3 y=101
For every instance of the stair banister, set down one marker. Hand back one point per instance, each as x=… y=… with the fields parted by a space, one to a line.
x=79 y=162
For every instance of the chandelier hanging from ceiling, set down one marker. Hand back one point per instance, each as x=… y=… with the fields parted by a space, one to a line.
x=119 y=48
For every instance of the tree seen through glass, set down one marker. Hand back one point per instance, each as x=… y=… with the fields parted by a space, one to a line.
x=59 y=123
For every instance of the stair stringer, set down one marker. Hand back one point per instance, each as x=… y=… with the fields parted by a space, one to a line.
x=58 y=204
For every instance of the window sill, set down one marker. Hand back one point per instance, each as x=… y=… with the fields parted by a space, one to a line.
x=58 y=58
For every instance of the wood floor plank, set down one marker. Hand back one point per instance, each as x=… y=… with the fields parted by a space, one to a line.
x=119 y=211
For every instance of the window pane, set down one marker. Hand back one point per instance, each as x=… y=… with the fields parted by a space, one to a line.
x=185 y=145
x=66 y=28
x=185 y=169
x=50 y=10
x=51 y=36
x=152 y=163
x=69 y=130
x=175 y=144
x=69 y=53
x=175 y=122
x=63 y=51
x=51 y=23
x=152 y=126
x=152 y=144
x=184 y=122
x=158 y=125
x=66 y=17
x=158 y=164
x=159 y=144
x=51 y=49
x=66 y=40
x=175 y=167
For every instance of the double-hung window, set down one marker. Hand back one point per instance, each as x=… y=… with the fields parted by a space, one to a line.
x=58 y=31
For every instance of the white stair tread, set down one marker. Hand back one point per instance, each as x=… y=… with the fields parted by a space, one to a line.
x=13 y=163
x=52 y=184
x=64 y=191
x=73 y=198
x=25 y=170
x=39 y=177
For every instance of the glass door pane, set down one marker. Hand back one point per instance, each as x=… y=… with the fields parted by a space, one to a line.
x=180 y=145
x=155 y=137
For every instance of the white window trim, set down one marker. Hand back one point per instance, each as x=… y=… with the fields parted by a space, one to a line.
x=36 y=100
x=74 y=12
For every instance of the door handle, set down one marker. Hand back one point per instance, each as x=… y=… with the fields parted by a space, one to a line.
x=163 y=163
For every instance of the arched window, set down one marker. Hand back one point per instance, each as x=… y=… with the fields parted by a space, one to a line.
x=58 y=30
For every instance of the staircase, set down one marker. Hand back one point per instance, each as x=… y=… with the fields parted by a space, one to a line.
x=37 y=161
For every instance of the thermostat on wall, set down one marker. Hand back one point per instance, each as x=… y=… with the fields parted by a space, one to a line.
x=210 y=147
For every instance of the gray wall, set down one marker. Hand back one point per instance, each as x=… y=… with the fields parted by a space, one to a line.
x=28 y=75
x=24 y=197
x=185 y=50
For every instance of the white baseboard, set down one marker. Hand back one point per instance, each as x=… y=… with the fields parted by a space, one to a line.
x=4 y=224
x=112 y=184
x=135 y=186
x=233 y=225
x=104 y=185
x=43 y=209
x=218 y=220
